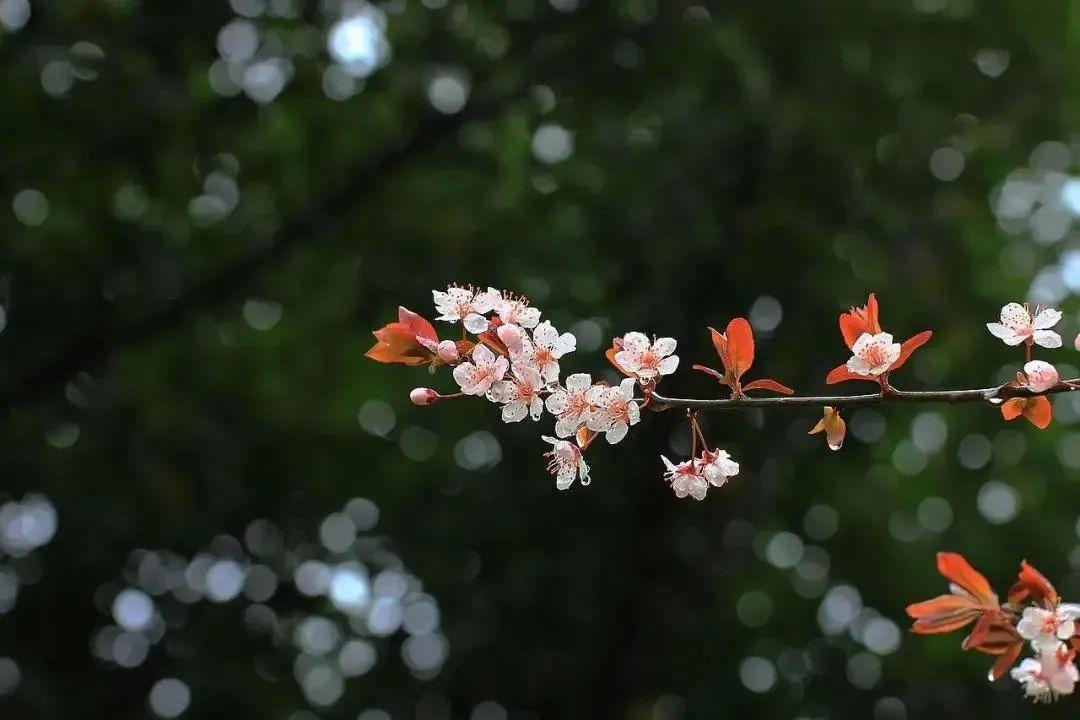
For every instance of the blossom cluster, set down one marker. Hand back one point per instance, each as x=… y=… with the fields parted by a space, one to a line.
x=511 y=358
x=1032 y=616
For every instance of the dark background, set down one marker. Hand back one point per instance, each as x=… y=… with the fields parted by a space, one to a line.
x=202 y=221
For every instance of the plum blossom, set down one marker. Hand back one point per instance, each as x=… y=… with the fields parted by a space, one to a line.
x=519 y=396
x=571 y=404
x=644 y=359
x=873 y=354
x=1018 y=326
x=1045 y=628
x=717 y=466
x=466 y=305
x=616 y=410
x=1049 y=676
x=516 y=311
x=543 y=350
x=477 y=377
x=686 y=479
x=1041 y=375
x=566 y=462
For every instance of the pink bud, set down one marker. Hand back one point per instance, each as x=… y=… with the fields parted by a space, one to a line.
x=424 y=396
x=448 y=352
x=1041 y=376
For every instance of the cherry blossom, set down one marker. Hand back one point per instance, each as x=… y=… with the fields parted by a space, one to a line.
x=1049 y=676
x=616 y=410
x=717 y=466
x=647 y=360
x=477 y=377
x=1019 y=326
x=1041 y=375
x=566 y=463
x=546 y=347
x=519 y=396
x=466 y=305
x=515 y=310
x=571 y=404
x=514 y=338
x=1044 y=628
x=859 y=321
x=873 y=354
x=686 y=479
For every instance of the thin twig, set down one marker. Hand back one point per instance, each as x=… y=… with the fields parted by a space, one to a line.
x=998 y=392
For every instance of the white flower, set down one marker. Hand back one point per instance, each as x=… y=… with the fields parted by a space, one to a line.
x=515 y=339
x=647 y=360
x=516 y=311
x=1044 y=628
x=717 y=466
x=615 y=410
x=468 y=306
x=873 y=354
x=685 y=479
x=519 y=396
x=571 y=404
x=566 y=462
x=476 y=377
x=1041 y=375
x=546 y=347
x=1049 y=676
x=1017 y=326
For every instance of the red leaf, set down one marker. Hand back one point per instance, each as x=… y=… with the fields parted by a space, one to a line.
x=1012 y=409
x=1032 y=583
x=419 y=326
x=767 y=384
x=956 y=569
x=993 y=634
x=833 y=426
x=1005 y=661
x=857 y=321
x=1039 y=411
x=740 y=347
x=909 y=346
x=944 y=613
x=719 y=342
x=841 y=374
x=709 y=371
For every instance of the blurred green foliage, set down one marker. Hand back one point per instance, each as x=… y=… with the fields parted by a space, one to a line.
x=171 y=370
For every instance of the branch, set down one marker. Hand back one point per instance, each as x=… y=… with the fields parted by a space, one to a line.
x=660 y=403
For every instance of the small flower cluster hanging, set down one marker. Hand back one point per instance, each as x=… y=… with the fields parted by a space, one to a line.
x=508 y=356
x=1032 y=616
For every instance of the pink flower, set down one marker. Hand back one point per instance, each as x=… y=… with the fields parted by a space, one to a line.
x=1049 y=676
x=1041 y=375
x=685 y=479
x=1018 y=326
x=545 y=348
x=566 y=462
x=873 y=354
x=519 y=396
x=571 y=404
x=1045 y=628
x=645 y=360
x=516 y=311
x=465 y=305
x=616 y=410
x=424 y=396
x=476 y=377
x=717 y=466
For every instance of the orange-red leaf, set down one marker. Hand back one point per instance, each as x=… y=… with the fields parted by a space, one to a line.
x=767 y=384
x=1005 y=661
x=709 y=371
x=957 y=570
x=1012 y=409
x=993 y=634
x=1032 y=583
x=719 y=341
x=1039 y=411
x=857 y=321
x=419 y=326
x=740 y=347
x=833 y=426
x=944 y=613
x=841 y=374
x=909 y=346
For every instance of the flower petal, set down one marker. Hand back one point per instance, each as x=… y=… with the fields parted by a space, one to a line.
x=1047 y=339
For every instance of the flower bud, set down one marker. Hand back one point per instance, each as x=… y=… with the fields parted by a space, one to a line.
x=1076 y=342
x=1041 y=376
x=448 y=352
x=424 y=396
